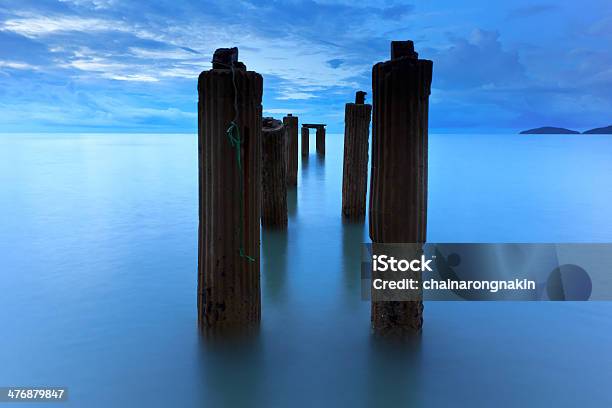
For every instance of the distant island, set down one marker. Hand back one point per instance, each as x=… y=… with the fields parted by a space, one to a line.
x=599 y=131
x=549 y=130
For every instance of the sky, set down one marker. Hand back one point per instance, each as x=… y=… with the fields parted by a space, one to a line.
x=132 y=66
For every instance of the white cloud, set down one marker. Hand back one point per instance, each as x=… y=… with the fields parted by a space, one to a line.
x=35 y=26
x=96 y=64
x=289 y=95
x=132 y=77
x=183 y=71
x=285 y=58
x=16 y=65
x=95 y=4
x=282 y=57
x=174 y=54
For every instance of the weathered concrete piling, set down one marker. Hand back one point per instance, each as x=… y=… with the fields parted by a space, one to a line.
x=398 y=191
x=320 y=139
x=291 y=126
x=355 y=171
x=305 y=141
x=273 y=174
x=229 y=135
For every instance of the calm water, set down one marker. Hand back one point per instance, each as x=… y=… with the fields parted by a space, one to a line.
x=98 y=239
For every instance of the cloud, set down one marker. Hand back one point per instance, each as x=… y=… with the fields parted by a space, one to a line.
x=113 y=64
x=308 y=53
x=133 y=77
x=16 y=65
x=531 y=10
x=601 y=28
x=94 y=4
x=288 y=95
x=37 y=26
x=397 y=11
x=335 y=63
x=173 y=53
x=477 y=61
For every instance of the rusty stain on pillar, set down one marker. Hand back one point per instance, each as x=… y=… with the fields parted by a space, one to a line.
x=305 y=134
x=273 y=174
x=398 y=190
x=356 y=144
x=230 y=205
x=291 y=127
x=320 y=139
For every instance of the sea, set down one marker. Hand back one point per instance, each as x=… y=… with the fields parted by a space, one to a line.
x=98 y=276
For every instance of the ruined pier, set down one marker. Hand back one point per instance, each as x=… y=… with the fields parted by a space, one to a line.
x=320 y=137
x=273 y=174
x=355 y=166
x=398 y=190
x=291 y=127
x=305 y=141
x=229 y=140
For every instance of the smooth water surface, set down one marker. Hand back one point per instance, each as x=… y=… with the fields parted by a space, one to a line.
x=98 y=240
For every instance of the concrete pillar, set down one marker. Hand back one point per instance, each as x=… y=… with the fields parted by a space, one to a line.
x=320 y=140
x=291 y=127
x=273 y=174
x=305 y=134
x=229 y=126
x=398 y=191
x=356 y=144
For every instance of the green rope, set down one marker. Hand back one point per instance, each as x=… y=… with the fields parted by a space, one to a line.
x=233 y=134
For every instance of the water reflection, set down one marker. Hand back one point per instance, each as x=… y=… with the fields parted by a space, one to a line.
x=320 y=167
x=352 y=239
x=394 y=372
x=233 y=372
x=274 y=263
x=291 y=201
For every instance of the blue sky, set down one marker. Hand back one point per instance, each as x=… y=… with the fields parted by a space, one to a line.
x=132 y=66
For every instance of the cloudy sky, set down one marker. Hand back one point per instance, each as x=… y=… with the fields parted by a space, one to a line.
x=132 y=66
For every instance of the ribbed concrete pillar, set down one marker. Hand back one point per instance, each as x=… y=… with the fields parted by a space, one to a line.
x=200 y=209
x=291 y=127
x=305 y=134
x=273 y=174
x=398 y=191
x=355 y=171
x=230 y=182
x=320 y=140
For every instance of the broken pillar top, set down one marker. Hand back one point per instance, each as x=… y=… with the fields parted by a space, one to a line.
x=226 y=58
x=403 y=49
x=270 y=124
x=360 y=97
x=289 y=114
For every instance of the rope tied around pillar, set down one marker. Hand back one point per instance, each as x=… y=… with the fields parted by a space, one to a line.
x=235 y=139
